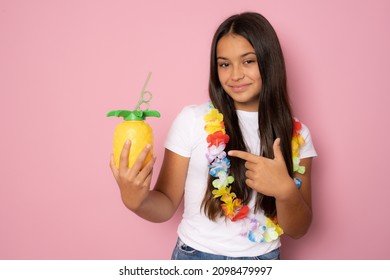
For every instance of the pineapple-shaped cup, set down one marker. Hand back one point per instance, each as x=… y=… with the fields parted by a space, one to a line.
x=136 y=130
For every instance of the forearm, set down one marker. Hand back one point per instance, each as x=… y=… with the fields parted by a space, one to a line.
x=162 y=202
x=294 y=214
x=156 y=207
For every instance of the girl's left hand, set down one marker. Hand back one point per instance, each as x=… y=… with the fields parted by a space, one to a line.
x=267 y=176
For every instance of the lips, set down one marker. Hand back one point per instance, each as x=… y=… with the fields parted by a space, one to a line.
x=239 y=88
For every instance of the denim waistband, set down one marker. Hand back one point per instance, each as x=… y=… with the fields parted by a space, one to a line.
x=184 y=252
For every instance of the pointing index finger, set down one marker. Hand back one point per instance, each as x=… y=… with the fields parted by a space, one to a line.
x=243 y=155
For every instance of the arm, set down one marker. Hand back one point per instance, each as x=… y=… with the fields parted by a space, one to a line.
x=294 y=209
x=270 y=177
x=159 y=204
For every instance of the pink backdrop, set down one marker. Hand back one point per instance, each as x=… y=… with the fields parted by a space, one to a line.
x=64 y=64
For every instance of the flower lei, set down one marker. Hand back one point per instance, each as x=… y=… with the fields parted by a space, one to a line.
x=265 y=230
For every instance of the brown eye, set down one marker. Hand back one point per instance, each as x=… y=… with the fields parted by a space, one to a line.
x=224 y=65
x=249 y=61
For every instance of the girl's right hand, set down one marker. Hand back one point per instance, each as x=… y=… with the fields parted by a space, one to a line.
x=134 y=183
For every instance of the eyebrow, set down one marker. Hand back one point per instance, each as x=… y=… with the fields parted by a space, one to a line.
x=243 y=55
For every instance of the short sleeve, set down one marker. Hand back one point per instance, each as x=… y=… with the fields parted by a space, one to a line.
x=181 y=132
x=307 y=150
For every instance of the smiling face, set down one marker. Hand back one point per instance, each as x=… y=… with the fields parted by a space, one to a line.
x=238 y=71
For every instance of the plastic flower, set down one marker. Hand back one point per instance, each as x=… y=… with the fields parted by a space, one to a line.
x=254 y=224
x=214 y=122
x=241 y=214
x=216 y=151
x=229 y=198
x=217 y=138
x=272 y=231
x=270 y=235
x=230 y=205
x=221 y=192
x=296 y=143
x=219 y=164
x=298 y=182
x=297 y=139
x=223 y=180
x=213 y=115
x=297 y=126
x=256 y=235
x=214 y=126
x=255 y=229
x=296 y=167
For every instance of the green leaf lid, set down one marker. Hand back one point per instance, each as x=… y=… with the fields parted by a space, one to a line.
x=136 y=115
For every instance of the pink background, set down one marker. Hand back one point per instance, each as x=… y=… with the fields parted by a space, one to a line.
x=65 y=64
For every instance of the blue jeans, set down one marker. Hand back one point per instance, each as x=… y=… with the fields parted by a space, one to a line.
x=185 y=252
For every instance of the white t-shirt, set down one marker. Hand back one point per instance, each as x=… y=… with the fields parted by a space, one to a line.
x=187 y=138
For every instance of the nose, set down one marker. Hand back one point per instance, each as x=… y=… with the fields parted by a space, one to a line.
x=237 y=74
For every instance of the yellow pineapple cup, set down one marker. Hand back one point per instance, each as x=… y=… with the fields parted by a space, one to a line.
x=136 y=130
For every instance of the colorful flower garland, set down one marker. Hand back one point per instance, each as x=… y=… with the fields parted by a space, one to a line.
x=219 y=164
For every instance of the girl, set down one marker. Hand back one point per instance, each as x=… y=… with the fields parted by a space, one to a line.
x=241 y=161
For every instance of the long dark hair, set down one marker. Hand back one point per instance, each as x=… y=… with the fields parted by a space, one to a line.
x=275 y=116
